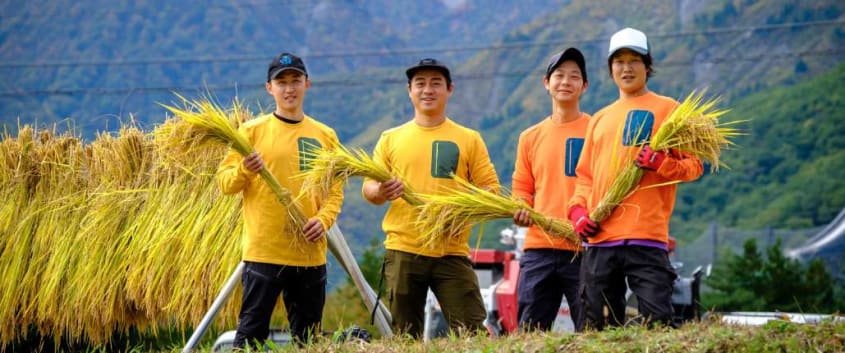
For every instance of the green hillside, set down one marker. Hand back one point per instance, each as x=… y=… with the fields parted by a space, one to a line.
x=734 y=49
x=763 y=57
x=787 y=172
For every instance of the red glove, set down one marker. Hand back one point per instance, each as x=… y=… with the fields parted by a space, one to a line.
x=584 y=226
x=650 y=159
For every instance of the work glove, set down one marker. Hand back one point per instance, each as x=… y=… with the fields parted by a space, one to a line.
x=584 y=226
x=650 y=159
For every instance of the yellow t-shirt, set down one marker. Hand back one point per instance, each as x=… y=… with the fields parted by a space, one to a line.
x=423 y=158
x=283 y=147
x=613 y=139
x=544 y=174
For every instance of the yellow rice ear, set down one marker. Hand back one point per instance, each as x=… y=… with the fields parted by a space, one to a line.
x=693 y=128
x=214 y=123
x=330 y=166
x=451 y=213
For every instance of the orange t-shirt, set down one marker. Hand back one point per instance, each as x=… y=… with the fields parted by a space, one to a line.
x=544 y=174
x=613 y=139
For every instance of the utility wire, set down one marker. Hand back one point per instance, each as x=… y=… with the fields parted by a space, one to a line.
x=397 y=52
x=381 y=80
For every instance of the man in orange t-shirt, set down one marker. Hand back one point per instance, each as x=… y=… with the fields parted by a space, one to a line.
x=632 y=243
x=544 y=177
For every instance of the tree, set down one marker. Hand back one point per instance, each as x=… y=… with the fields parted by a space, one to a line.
x=751 y=282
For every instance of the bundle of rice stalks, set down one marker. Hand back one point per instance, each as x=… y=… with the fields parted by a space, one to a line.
x=335 y=164
x=88 y=239
x=214 y=124
x=181 y=151
x=693 y=128
x=450 y=214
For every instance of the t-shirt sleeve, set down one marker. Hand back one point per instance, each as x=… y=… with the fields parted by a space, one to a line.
x=481 y=170
x=522 y=182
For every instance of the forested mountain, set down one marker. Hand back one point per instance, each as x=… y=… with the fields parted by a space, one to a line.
x=99 y=62
x=775 y=63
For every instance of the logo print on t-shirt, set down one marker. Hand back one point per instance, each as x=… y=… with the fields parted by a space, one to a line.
x=444 y=158
x=638 y=126
x=307 y=147
x=572 y=155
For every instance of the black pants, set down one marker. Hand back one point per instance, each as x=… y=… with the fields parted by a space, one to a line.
x=546 y=275
x=303 y=291
x=649 y=275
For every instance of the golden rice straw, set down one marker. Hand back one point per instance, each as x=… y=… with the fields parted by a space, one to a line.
x=450 y=214
x=693 y=128
x=336 y=164
x=214 y=123
x=113 y=199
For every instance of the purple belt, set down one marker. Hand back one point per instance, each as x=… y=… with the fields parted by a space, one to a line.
x=626 y=242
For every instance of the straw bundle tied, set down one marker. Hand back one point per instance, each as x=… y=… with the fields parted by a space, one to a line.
x=693 y=128
x=451 y=213
x=336 y=164
x=89 y=233
x=213 y=124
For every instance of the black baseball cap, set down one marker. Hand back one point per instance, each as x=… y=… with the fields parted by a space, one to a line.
x=285 y=61
x=429 y=63
x=568 y=54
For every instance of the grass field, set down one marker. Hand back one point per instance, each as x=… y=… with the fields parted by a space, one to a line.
x=776 y=336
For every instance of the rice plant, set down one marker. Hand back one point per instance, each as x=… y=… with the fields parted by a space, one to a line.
x=693 y=128
x=213 y=123
x=453 y=212
x=128 y=230
x=335 y=164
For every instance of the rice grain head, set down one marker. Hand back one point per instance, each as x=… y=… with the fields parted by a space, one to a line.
x=451 y=213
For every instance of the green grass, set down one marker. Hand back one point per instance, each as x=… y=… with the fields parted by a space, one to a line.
x=779 y=336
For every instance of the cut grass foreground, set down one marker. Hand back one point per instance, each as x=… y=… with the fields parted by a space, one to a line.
x=776 y=336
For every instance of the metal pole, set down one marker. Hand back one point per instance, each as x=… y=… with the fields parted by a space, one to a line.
x=215 y=307
x=340 y=250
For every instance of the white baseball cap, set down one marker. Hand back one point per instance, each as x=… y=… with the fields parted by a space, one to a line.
x=628 y=38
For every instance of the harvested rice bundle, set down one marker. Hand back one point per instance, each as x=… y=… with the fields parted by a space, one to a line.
x=693 y=128
x=336 y=164
x=451 y=213
x=214 y=125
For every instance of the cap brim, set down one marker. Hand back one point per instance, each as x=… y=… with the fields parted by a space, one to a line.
x=568 y=54
x=279 y=71
x=636 y=49
x=412 y=71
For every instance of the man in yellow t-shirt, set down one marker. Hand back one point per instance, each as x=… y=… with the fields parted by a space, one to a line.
x=632 y=243
x=424 y=153
x=277 y=261
x=544 y=177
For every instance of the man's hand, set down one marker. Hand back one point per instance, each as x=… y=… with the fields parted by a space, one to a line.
x=313 y=230
x=650 y=159
x=253 y=162
x=522 y=218
x=584 y=226
x=391 y=189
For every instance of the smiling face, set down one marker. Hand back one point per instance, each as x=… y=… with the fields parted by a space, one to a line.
x=288 y=90
x=566 y=84
x=629 y=72
x=429 y=92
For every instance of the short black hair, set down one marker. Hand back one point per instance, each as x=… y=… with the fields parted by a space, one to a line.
x=647 y=60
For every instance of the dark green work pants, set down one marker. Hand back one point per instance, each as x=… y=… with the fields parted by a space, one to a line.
x=451 y=278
